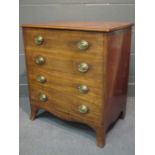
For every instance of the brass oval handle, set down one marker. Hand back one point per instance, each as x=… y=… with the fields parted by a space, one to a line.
x=83 y=89
x=38 y=40
x=39 y=60
x=82 y=45
x=41 y=79
x=83 y=109
x=83 y=67
x=43 y=97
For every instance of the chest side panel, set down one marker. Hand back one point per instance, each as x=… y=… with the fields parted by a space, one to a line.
x=117 y=72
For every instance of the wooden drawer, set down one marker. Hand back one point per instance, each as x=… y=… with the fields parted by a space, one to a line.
x=65 y=65
x=68 y=104
x=63 y=44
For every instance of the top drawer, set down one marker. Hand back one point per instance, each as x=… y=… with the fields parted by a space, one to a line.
x=70 y=42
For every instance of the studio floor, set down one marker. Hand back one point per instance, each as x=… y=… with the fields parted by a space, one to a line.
x=48 y=135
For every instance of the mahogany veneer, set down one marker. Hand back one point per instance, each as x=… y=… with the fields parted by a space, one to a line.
x=53 y=53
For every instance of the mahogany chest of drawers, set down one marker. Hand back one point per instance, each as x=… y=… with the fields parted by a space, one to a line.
x=78 y=71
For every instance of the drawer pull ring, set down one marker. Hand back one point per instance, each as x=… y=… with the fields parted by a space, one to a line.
x=83 y=109
x=83 y=89
x=40 y=60
x=38 y=40
x=43 y=97
x=83 y=67
x=41 y=79
x=82 y=45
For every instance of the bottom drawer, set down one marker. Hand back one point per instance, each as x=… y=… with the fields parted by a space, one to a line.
x=59 y=103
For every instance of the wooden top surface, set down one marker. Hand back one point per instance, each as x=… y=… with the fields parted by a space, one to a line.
x=85 y=26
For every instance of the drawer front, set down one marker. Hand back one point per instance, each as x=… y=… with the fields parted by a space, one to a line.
x=65 y=43
x=68 y=74
x=57 y=101
x=64 y=65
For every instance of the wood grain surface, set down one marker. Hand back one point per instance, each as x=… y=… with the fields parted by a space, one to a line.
x=100 y=26
x=107 y=77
